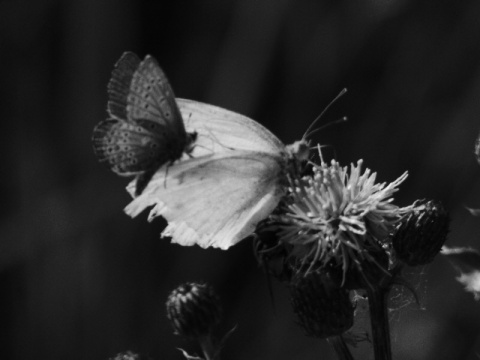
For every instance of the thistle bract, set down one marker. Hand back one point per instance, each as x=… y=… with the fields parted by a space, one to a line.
x=193 y=310
x=323 y=308
x=421 y=234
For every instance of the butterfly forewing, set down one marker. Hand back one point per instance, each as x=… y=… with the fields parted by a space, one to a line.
x=221 y=130
x=152 y=98
x=119 y=85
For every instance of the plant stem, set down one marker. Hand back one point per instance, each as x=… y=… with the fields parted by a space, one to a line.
x=377 y=301
x=341 y=348
x=208 y=349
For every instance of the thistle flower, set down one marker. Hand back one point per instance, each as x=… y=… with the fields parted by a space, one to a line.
x=322 y=307
x=337 y=216
x=193 y=310
x=421 y=234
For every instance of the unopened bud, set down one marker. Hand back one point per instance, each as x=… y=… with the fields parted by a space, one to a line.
x=323 y=308
x=421 y=234
x=193 y=310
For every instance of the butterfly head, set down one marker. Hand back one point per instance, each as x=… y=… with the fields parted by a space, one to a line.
x=299 y=150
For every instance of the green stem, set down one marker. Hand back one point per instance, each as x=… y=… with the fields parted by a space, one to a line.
x=340 y=347
x=208 y=349
x=377 y=301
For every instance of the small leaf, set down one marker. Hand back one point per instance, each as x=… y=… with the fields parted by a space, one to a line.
x=467 y=262
x=474 y=212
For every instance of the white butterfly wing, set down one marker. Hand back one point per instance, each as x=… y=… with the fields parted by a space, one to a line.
x=215 y=200
x=219 y=130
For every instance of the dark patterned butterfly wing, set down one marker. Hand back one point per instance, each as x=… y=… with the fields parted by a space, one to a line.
x=130 y=148
x=119 y=85
x=146 y=130
x=140 y=90
x=135 y=148
x=152 y=98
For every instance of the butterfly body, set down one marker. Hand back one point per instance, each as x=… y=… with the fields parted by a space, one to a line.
x=146 y=129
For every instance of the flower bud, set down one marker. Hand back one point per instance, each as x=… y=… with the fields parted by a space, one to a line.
x=323 y=308
x=193 y=310
x=420 y=235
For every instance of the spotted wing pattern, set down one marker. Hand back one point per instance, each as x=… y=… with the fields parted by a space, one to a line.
x=130 y=148
x=146 y=128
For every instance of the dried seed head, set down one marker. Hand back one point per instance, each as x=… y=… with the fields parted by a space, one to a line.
x=421 y=234
x=193 y=310
x=322 y=307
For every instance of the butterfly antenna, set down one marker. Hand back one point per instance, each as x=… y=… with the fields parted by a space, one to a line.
x=324 y=111
x=343 y=119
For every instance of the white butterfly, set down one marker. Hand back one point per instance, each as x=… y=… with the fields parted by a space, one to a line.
x=234 y=178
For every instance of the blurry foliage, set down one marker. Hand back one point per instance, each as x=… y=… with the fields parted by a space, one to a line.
x=79 y=280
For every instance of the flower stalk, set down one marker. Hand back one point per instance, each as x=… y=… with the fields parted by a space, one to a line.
x=208 y=349
x=339 y=345
x=377 y=302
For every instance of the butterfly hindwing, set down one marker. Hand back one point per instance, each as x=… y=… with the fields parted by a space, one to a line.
x=130 y=148
x=214 y=200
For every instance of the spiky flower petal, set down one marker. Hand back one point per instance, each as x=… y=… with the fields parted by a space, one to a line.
x=337 y=215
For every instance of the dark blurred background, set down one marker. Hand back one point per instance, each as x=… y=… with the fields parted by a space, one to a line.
x=80 y=280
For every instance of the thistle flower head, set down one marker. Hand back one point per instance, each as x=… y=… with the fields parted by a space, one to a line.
x=193 y=310
x=336 y=216
x=323 y=308
x=420 y=235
